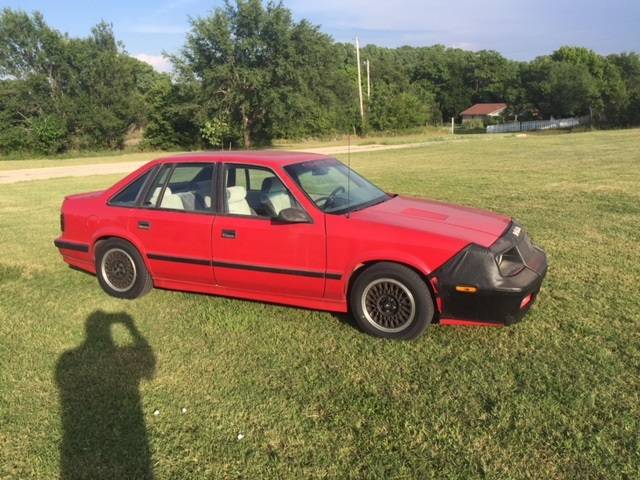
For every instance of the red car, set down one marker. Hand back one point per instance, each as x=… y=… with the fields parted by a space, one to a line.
x=303 y=230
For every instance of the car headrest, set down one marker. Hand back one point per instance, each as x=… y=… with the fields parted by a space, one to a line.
x=271 y=185
x=236 y=194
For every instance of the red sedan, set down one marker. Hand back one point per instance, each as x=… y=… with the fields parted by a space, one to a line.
x=303 y=230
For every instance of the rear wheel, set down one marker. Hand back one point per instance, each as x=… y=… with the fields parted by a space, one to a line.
x=391 y=301
x=120 y=269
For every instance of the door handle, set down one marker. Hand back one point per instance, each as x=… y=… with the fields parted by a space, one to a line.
x=144 y=225
x=229 y=234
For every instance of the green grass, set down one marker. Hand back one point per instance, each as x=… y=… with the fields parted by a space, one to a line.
x=556 y=396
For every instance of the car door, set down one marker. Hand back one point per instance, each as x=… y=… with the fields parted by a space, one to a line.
x=253 y=252
x=174 y=221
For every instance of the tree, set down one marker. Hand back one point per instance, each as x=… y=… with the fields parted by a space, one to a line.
x=268 y=74
x=67 y=92
x=397 y=110
x=172 y=112
x=249 y=73
x=628 y=67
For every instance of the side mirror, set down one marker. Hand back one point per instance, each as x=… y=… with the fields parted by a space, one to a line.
x=292 y=215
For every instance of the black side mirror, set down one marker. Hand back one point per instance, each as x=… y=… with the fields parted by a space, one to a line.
x=292 y=215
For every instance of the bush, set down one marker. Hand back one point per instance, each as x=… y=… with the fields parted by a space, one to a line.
x=14 y=139
x=49 y=134
x=216 y=131
x=474 y=124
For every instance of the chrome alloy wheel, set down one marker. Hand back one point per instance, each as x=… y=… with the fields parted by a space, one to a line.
x=118 y=270
x=388 y=305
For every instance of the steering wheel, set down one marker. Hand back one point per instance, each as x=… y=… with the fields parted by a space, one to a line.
x=329 y=199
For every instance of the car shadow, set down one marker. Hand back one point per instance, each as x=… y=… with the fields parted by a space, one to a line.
x=104 y=432
x=346 y=319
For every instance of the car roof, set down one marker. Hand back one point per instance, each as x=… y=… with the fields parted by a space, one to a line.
x=262 y=158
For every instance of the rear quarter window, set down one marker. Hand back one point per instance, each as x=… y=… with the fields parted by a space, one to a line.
x=129 y=195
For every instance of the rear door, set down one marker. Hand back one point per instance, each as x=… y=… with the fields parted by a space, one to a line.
x=174 y=222
x=255 y=253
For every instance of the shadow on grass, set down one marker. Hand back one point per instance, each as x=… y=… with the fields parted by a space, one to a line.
x=104 y=433
x=346 y=319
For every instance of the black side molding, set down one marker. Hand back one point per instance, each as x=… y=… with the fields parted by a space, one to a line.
x=258 y=268
x=238 y=266
x=78 y=247
x=166 y=258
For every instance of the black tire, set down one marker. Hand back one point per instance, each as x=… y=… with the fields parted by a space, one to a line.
x=120 y=269
x=389 y=300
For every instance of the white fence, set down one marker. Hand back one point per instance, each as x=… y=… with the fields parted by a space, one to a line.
x=539 y=125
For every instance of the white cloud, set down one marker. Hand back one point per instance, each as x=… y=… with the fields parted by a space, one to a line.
x=158 y=62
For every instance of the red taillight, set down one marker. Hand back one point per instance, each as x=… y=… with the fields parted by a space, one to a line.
x=526 y=301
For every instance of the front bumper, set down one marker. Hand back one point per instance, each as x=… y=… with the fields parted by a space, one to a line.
x=471 y=288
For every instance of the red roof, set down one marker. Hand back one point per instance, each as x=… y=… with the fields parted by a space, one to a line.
x=485 y=109
x=259 y=157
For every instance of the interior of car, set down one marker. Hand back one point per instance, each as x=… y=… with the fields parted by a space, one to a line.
x=189 y=188
x=256 y=191
x=249 y=190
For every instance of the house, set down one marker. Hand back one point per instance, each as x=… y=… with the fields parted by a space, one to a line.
x=483 y=111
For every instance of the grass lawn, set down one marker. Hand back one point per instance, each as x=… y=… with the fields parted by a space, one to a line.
x=556 y=396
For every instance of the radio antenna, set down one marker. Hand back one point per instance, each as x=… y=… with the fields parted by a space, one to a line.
x=348 y=173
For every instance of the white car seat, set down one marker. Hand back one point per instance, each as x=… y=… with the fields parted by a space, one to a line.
x=154 y=197
x=237 y=200
x=171 y=200
x=274 y=196
x=188 y=200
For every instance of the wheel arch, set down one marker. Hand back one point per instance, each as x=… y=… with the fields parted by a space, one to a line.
x=361 y=267
x=102 y=236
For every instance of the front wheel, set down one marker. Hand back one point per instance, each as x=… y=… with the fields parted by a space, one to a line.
x=391 y=301
x=120 y=269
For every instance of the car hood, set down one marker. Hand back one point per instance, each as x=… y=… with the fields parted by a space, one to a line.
x=463 y=223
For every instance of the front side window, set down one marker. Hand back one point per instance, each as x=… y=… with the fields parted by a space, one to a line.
x=255 y=191
x=186 y=187
x=333 y=188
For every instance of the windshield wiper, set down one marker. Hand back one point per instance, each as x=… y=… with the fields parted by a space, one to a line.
x=362 y=206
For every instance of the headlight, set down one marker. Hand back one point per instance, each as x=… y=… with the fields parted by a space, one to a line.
x=510 y=262
x=507 y=250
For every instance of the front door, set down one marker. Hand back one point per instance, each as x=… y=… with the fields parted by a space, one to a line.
x=174 y=223
x=254 y=252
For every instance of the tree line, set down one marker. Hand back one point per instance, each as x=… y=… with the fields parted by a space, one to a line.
x=248 y=73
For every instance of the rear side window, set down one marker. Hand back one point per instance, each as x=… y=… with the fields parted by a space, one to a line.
x=129 y=195
x=187 y=187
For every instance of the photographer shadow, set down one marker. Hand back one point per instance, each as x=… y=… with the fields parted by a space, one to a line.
x=104 y=432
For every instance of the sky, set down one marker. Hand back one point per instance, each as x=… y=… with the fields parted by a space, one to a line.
x=519 y=29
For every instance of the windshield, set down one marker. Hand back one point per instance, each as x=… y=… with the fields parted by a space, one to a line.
x=331 y=187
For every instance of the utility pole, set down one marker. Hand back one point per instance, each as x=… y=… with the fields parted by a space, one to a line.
x=368 y=82
x=359 y=80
